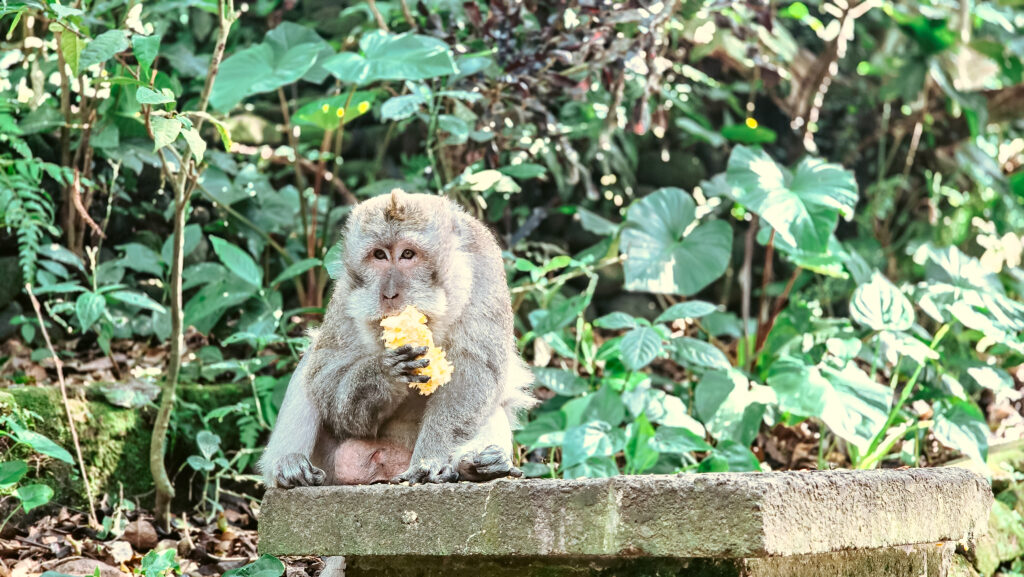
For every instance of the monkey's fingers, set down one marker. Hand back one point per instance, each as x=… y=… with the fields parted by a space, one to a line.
x=410 y=366
x=409 y=378
x=406 y=352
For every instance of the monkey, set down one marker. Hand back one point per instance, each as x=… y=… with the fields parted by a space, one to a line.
x=349 y=415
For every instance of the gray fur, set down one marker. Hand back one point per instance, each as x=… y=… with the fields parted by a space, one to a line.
x=353 y=388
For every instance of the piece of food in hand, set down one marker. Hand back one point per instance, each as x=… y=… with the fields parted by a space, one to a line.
x=410 y=328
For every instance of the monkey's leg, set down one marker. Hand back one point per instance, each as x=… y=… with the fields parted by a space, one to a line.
x=286 y=460
x=488 y=455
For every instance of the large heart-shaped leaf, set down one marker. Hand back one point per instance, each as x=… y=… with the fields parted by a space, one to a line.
x=324 y=112
x=803 y=206
x=665 y=252
x=385 y=56
x=850 y=402
x=961 y=425
x=592 y=439
x=11 y=472
x=286 y=55
x=560 y=381
x=879 y=305
x=732 y=407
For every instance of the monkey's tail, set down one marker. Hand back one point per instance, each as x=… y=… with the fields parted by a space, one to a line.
x=518 y=395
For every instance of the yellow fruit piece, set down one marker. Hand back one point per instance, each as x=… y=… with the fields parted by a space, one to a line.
x=410 y=328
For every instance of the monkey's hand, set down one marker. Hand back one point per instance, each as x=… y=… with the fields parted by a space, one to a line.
x=401 y=363
x=428 y=472
x=295 y=470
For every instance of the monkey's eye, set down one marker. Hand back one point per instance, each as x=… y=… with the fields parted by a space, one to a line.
x=380 y=255
x=407 y=254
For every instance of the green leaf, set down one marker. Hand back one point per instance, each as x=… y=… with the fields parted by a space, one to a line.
x=385 y=56
x=615 y=321
x=880 y=306
x=524 y=170
x=137 y=299
x=193 y=236
x=89 y=307
x=961 y=425
x=849 y=401
x=605 y=405
x=140 y=257
x=11 y=472
x=803 y=207
x=265 y=566
x=165 y=131
x=678 y=440
x=238 y=261
x=195 y=143
x=639 y=453
x=558 y=316
x=32 y=496
x=159 y=564
x=746 y=135
x=732 y=407
x=43 y=445
x=323 y=112
x=401 y=107
x=664 y=253
x=457 y=129
x=103 y=48
x=287 y=54
x=200 y=463
x=145 y=49
x=71 y=47
x=686 y=310
x=595 y=223
x=730 y=456
x=639 y=347
x=591 y=439
x=691 y=353
x=295 y=269
x=560 y=381
x=208 y=442
x=149 y=96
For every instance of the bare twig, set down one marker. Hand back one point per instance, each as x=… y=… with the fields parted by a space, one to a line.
x=381 y=23
x=67 y=406
x=76 y=197
x=408 y=15
x=746 y=278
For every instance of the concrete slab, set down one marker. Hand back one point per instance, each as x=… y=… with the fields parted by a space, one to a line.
x=716 y=516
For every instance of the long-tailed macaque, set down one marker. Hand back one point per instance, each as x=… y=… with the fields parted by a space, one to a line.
x=349 y=415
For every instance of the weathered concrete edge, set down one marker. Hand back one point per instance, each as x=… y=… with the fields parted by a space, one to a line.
x=711 y=515
x=929 y=560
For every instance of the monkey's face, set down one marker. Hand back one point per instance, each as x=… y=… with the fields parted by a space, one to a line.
x=393 y=276
x=398 y=252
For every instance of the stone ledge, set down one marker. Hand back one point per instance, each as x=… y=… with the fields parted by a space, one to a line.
x=720 y=515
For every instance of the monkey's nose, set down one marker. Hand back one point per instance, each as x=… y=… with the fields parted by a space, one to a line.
x=389 y=296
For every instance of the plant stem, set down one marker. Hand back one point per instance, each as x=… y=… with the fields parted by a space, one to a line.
x=183 y=183
x=67 y=406
x=746 y=278
x=906 y=392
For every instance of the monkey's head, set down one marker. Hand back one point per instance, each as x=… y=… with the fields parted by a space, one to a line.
x=401 y=249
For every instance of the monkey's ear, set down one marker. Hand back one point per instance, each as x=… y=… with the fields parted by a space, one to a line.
x=395 y=209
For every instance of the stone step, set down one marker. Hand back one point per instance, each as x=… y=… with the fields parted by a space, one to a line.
x=742 y=523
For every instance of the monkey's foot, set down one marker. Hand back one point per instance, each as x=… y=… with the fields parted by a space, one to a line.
x=295 y=470
x=489 y=463
x=427 y=472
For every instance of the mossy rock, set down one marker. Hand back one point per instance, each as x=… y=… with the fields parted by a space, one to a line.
x=1005 y=538
x=115 y=441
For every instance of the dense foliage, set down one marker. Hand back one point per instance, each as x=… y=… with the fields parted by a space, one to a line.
x=739 y=236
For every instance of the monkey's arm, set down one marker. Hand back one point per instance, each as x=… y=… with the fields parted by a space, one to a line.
x=456 y=413
x=286 y=460
x=359 y=392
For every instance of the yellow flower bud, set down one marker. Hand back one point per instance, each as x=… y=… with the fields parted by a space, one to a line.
x=325 y=107
x=363 y=107
x=340 y=113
